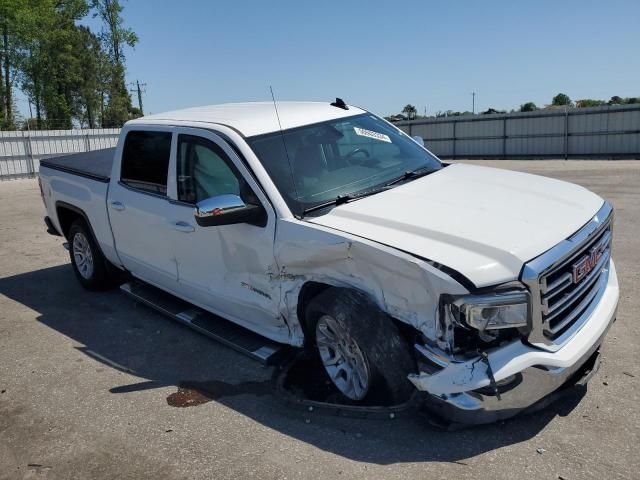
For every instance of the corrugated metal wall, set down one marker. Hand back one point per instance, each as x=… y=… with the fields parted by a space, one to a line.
x=21 y=151
x=598 y=132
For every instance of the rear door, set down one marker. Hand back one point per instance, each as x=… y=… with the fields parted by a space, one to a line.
x=137 y=204
x=228 y=269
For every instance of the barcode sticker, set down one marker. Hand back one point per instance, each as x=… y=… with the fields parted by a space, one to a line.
x=371 y=134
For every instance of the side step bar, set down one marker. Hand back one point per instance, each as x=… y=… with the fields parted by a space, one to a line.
x=239 y=338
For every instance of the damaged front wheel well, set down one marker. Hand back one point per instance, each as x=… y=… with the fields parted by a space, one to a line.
x=311 y=289
x=308 y=292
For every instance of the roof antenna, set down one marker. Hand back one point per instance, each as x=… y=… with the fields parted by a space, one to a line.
x=340 y=104
x=284 y=143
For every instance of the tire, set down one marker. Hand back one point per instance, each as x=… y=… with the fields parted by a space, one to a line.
x=379 y=357
x=92 y=269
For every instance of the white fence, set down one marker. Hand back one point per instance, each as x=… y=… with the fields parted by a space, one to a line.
x=598 y=132
x=21 y=152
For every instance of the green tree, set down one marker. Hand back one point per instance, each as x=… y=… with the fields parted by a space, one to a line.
x=9 y=27
x=115 y=37
x=561 y=99
x=410 y=111
x=50 y=60
x=91 y=63
x=118 y=106
x=589 y=102
x=3 y=100
x=528 y=107
x=67 y=73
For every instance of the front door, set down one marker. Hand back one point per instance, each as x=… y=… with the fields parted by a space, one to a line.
x=226 y=269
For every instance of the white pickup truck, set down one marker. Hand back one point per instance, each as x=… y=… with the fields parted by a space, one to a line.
x=330 y=229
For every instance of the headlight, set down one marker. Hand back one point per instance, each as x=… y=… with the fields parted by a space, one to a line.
x=492 y=312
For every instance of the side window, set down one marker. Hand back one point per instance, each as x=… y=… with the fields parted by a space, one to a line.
x=145 y=161
x=204 y=170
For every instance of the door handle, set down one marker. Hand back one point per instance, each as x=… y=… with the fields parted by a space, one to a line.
x=183 y=227
x=117 y=206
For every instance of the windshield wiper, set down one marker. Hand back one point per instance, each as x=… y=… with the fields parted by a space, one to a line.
x=411 y=175
x=340 y=199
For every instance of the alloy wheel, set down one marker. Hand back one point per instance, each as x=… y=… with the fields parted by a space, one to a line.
x=342 y=358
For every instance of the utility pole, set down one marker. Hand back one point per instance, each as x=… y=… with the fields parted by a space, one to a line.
x=139 y=88
x=425 y=110
x=473 y=102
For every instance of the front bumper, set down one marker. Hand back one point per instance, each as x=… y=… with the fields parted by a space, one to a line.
x=461 y=392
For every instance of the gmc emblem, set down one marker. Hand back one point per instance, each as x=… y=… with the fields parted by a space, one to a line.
x=587 y=263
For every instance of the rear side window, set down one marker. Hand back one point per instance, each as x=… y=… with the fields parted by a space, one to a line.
x=145 y=161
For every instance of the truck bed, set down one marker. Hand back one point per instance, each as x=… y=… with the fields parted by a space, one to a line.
x=95 y=164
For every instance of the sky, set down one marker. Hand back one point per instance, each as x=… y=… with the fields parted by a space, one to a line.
x=382 y=55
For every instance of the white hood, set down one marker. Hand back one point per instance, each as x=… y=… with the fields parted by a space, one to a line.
x=483 y=222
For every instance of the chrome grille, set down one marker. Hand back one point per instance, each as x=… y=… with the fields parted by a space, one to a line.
x=565 y=282
x=563 y=298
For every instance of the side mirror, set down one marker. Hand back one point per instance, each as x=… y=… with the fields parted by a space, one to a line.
x=227 y=210
x=419 y=140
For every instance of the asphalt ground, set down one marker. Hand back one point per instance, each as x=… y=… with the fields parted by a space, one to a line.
x=89 y=383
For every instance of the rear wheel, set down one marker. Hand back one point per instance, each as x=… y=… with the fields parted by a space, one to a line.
x=361 y=349
x=90 y=266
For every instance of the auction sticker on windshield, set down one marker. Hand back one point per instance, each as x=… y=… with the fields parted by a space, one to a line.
x=371 y=134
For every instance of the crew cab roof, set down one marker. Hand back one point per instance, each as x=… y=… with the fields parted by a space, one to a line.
x=254 y=118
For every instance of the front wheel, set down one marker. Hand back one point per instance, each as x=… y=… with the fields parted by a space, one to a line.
x=89 y=264
x=360 y=347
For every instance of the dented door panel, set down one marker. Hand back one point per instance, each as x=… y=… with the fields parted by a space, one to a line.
x=227 y=269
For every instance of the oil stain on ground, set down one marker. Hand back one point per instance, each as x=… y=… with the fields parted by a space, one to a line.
x=190 y=394
x=304 y=378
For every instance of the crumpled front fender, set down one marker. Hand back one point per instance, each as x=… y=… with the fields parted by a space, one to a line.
x=405 y=287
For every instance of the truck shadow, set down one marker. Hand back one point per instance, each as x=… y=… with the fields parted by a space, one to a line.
x=123 y=335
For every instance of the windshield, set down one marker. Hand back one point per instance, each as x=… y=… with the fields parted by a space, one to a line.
x=317 y=163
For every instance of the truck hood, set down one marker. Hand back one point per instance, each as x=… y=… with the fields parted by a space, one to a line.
x=483 y=222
